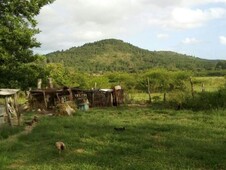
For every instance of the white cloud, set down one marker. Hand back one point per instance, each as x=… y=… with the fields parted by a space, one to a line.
x=222 y=40
x=185 y=18
x=217 y=12
x=179 y=3
x=191 y=41
x=162 y=36
x=200 y=2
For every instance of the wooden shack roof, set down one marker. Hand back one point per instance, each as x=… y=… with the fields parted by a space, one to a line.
x=46 y=90
x=8 y=92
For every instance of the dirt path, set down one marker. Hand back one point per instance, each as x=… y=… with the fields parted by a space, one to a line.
x=14 y=138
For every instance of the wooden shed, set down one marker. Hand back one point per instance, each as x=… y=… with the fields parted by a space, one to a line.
x=96 y=98
x=49 y=98
x=99 y=97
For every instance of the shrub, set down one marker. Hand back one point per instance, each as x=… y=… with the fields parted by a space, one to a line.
x=206 y=100
x=177 y=97
x=6 y=131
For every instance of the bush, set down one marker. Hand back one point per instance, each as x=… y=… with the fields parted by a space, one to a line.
x=176 y=98
x=206 y=100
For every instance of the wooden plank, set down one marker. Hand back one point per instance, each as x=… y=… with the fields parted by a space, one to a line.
x=7 y=111
x=44 y=98
x=16 y=108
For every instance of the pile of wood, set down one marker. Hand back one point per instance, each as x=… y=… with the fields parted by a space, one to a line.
x=66 y=109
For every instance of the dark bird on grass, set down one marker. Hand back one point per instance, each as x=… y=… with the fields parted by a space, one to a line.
x=29 y=123
x=35 y=119
x=60 y=146
x=119 y=129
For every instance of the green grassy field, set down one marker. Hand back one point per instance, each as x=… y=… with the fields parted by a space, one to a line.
x=153 y=139
x=210 y=83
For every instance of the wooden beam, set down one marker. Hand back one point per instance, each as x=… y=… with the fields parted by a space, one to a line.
x=16 y=108
x=44 y=97
x=7 y=111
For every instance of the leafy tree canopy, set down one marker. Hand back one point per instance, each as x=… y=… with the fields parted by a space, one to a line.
x=17 y=30
x=221 y=65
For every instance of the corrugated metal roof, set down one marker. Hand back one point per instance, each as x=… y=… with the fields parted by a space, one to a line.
x=8 y=92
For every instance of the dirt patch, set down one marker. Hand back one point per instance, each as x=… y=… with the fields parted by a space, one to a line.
x=17 y=164
x=80 y=150
x=26 y=131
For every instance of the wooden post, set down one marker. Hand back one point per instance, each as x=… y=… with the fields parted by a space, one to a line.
x=39 y=84
x=164 y=97
x=70 y=94
x=27 y=92
x=16 y=108
x=203 y=87
x=192 y=87
x=149 y=91
x=93 y=97
x=50 y=80
x=44 y=98
x=7 y=111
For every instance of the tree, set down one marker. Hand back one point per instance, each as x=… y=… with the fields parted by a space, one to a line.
x=17 y=31
x=98 y=81
x=221 y=65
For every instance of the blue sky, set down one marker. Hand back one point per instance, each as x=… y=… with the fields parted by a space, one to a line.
x=194 y=27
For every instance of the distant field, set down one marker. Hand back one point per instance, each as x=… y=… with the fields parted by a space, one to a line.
x=142 y=97
x=210 y=83
x=153 y=139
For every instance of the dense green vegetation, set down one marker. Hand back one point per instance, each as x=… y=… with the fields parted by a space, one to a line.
x=116 y=55
x=153 y=139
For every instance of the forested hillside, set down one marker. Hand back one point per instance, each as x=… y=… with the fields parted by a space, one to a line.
x=116 y=55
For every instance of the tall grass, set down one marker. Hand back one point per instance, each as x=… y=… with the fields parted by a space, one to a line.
x=153 y=139
x=6 y=131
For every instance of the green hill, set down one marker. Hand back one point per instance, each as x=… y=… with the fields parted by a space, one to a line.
x=116 y=55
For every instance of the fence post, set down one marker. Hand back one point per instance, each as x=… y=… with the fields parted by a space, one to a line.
x=7 y=111
x=192 y=87
x=149 y=90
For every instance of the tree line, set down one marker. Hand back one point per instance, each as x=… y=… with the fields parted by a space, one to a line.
x=116 y=55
